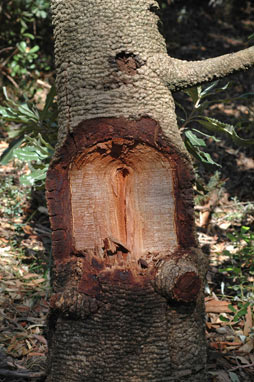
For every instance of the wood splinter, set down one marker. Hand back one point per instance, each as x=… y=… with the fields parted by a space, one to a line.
x=112 y=246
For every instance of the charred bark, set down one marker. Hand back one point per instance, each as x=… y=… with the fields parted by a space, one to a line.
x=127 y=301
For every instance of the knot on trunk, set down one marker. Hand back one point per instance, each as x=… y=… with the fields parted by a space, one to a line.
x=178 y=280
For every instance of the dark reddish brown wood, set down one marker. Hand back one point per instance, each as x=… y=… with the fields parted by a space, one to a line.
x=117 y=136
x=187 y=287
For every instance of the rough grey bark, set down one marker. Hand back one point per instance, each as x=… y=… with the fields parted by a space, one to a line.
x=90 y=34
x=179 y=74
x=111 y=65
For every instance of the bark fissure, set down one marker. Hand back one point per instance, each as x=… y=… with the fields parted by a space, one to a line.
x=127 y=300
x=140 y=177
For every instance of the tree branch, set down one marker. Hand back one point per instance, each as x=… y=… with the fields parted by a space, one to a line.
x=179 y=74
x=178 y=280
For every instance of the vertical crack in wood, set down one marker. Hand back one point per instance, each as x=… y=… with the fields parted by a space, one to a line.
x=120 y=179
x=123 y=202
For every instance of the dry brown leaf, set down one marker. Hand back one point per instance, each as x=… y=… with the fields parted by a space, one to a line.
x=251 y=356
x=243 y=360
x=22 y=308
x=34 y=282
x=27 y=229
x=34 y=354
x=40 y=338
x=30 y=275
x=204 y=218
x=247 y=347
x=216 y=306
x=222 y=345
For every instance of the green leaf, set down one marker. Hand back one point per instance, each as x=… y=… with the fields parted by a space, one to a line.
x=207 y=135
x=48 y=145
x=49 y=102
x=222 y=318
x=22 y=46
x=214 y=85
x=209 y=88
x=29 y=153
x=34 y=176
x=230 y=306
x=195 y=141
x=214 y=125
x=245 y=95
x=233 y=377
x=34 y=49
x=201 y=156
x=25 y=110
x=242 y=312
x=251 y=37
x=195 y=94
x=209 y=159
x=29 y=35
x=5 y=93
x=244 y=229
x=231 y=236
x=8 y=153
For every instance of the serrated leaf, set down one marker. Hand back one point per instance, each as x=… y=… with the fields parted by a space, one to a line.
x=195 y=141
x=201 y=156
x=207 y=135
x=29 y=153
x=207 y=91
x=214 y=125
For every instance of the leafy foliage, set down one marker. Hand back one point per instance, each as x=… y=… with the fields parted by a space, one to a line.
x=195 y=122
x=34 y=136
x=24 y=29
x=241 y=267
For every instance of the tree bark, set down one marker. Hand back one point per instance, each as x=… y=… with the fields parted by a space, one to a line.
x=127 y=302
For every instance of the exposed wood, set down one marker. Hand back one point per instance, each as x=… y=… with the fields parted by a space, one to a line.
x=115 y=168
x=129 y=198
x=119 y=203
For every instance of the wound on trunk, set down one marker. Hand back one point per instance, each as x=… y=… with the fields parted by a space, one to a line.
x=115 y=200
x=128 y=198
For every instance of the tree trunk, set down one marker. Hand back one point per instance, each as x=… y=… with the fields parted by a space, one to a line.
x=127 y=301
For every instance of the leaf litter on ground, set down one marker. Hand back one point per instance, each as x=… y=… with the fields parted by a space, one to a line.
x=24 y=288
